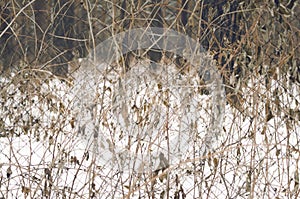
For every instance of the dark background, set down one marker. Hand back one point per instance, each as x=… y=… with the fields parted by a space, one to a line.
x=242 y=35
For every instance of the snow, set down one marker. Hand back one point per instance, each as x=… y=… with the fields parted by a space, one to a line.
x=47 y=140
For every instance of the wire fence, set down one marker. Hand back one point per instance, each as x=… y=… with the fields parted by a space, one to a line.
x=141 y=127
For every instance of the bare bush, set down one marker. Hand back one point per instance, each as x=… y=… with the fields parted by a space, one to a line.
x=70 y=130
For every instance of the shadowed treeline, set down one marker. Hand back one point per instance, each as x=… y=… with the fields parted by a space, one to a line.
x=52 y=33
x=49 y=34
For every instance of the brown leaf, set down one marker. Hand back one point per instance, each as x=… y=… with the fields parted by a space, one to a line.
x=8 y=172
x=25 y=190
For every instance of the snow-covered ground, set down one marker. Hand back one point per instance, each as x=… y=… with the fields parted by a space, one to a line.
x=108 y=137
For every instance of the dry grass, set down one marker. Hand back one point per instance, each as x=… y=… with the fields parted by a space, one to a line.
x=43 y=153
